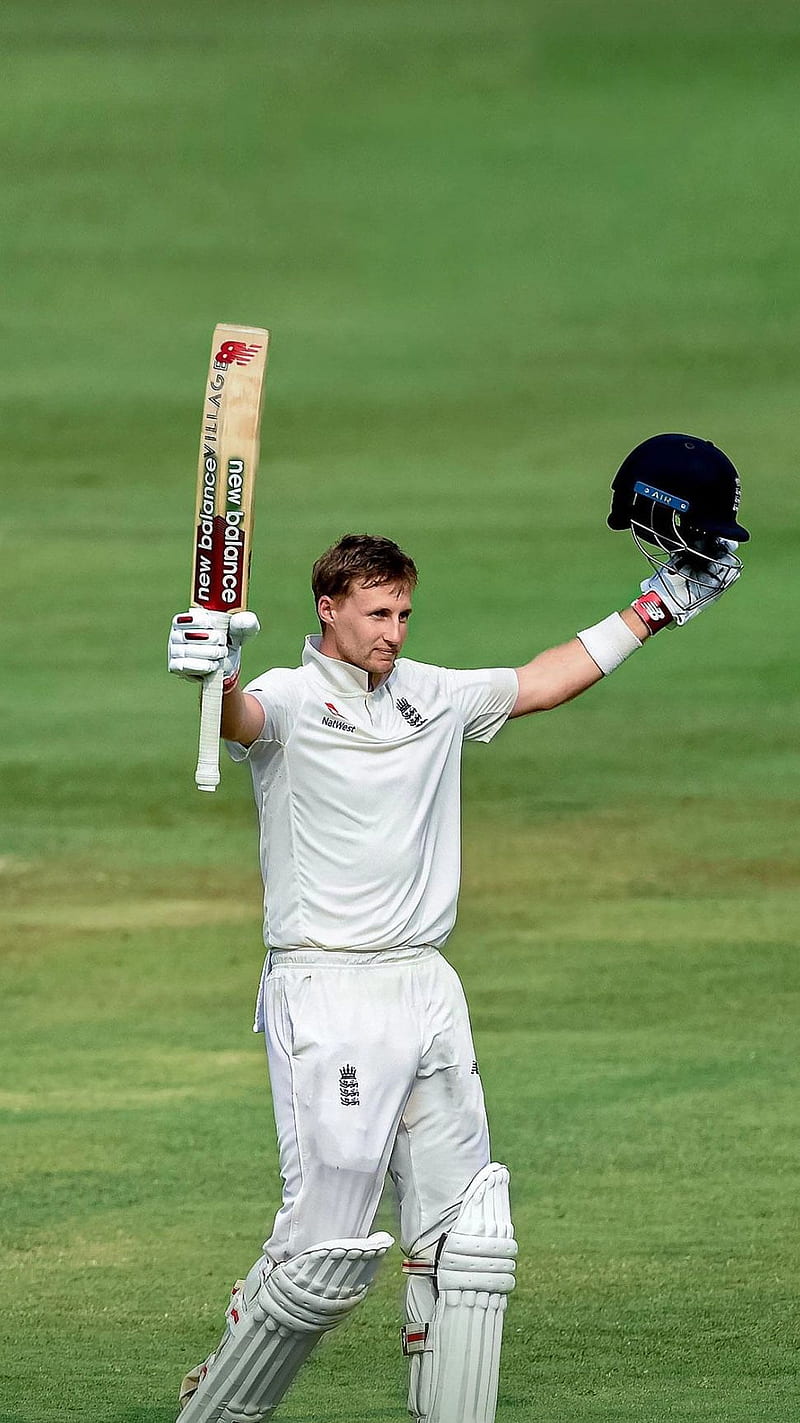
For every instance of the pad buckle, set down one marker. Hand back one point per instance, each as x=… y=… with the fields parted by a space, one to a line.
x=418 y=1267
x=414 y=1338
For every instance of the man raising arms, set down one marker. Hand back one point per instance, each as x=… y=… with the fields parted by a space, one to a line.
x=355 y=758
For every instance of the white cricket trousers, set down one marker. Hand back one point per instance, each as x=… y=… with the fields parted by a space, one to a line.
x=372 y=1069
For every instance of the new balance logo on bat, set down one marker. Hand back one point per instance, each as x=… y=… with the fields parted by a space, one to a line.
x=237 y=353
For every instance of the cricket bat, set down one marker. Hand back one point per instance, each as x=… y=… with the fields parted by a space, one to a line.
x=229 y=441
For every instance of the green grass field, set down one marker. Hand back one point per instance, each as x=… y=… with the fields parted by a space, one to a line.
x=497 y=246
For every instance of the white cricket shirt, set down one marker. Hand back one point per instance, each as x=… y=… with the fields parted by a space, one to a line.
x=358 y=797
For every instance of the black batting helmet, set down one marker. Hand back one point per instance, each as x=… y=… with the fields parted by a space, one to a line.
x=677 y=490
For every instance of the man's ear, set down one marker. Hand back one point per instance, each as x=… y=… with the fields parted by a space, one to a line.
x=326 y=612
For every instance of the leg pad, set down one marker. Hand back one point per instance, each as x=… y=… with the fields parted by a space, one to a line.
x=274 y=1322
x=457 y=1290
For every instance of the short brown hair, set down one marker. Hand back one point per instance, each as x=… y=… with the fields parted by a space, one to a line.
x=360 y=558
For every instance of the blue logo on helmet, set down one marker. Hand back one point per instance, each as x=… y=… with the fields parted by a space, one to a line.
x=660 y=496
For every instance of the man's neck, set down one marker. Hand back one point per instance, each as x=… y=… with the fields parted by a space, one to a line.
x=328 y=648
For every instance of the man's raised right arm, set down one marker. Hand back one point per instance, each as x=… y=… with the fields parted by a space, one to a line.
x=243 y=716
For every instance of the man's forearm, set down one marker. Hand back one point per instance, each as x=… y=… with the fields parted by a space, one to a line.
x=242 y=717
x=637 y=626
x=561 y=673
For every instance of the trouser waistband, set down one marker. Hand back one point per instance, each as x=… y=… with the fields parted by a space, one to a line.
x=350 y=958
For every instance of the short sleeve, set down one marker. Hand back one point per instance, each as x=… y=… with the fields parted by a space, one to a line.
x=484 y=697
x=281 y=695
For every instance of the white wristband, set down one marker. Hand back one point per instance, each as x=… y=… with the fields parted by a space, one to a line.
x=608 y=643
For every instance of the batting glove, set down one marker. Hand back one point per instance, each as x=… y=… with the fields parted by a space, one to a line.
x=686 y=585
x=202 y=642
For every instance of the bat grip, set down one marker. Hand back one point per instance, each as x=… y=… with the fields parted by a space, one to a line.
x=207 y=774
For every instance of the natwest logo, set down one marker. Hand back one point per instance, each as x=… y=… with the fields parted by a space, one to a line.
x=336 y=720
x=237 y=353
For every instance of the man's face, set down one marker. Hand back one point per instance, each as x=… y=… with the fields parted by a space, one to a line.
x=367 y=626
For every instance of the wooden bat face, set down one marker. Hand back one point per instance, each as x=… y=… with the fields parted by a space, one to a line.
x=224 y=509
x=229 y=444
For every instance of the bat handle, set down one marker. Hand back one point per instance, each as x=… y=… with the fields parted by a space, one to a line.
x=207 y=774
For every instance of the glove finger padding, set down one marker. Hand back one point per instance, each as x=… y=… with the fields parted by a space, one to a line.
x=198 y=644
x=201 y=643
x=691 y=580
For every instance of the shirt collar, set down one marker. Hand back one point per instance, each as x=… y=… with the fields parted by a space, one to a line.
x=343 y=677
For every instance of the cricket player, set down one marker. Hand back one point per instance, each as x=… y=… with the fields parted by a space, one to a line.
x=355 y=761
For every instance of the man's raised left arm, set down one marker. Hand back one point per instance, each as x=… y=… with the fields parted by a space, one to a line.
x=561 y=673
x=673 y=596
